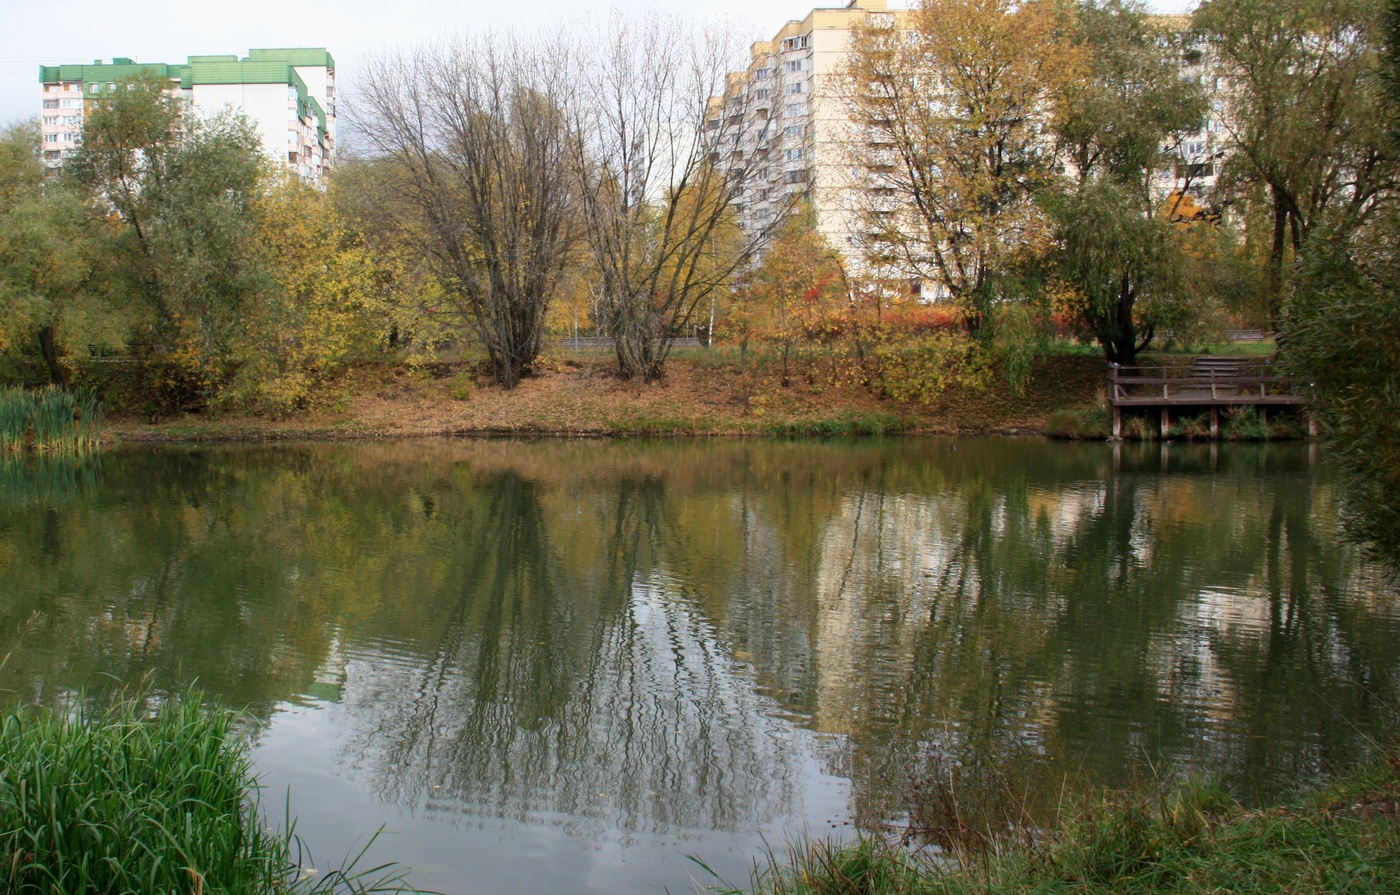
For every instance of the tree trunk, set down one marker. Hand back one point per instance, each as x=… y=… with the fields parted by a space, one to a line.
x=50 y=352
x=1280 y=236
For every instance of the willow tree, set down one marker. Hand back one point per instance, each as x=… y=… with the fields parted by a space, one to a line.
x=51 y=250
x=480 y=149
x=658 y=180
x=1305 y=140
x=949 y=123
x=1116 y=248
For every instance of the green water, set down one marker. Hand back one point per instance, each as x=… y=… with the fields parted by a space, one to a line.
x=565 y=666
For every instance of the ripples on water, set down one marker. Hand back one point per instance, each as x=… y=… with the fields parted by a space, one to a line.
x=561 y=666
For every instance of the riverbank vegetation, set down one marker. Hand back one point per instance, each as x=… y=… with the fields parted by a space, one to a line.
x=1178 y=838
x=48 y=420
x=142 y=795
x=170 y=270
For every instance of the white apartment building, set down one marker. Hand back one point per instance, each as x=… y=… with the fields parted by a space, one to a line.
x=287 y=94
x=795 y=136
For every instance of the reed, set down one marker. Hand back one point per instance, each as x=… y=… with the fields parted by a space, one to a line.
x=144 y=795
x=49 y=420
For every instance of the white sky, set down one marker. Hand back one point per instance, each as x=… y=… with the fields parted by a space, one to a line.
x=53 y=32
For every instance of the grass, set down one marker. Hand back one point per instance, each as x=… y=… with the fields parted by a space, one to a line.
x=843 y=425
x=1184 y=838
x=144 y=796
x=49 y=420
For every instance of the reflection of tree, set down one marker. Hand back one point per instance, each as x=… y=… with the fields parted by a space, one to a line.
x=625 y=634
x=609 y=703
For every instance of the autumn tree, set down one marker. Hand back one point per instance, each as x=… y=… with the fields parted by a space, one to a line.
x=949 y=131
x=481 y=149
x=51 y=248
x=1117 y=250
x=1301 y=85
x=654 y=118
x=178 y=187
x=321 y=307
x=795 y=289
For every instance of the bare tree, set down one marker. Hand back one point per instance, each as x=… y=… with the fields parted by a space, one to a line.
x=480 y=139
x=660 y=168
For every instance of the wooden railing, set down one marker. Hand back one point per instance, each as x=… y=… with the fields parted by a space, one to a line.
x=1212 y=382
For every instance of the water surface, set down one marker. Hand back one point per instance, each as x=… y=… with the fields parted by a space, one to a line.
x=565 y=666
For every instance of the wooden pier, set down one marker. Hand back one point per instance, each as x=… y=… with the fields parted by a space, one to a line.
x=1210 y=383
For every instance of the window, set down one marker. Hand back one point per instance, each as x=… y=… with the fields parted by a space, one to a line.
x=795 y=109
x=795 y=43
x=796 y=155
x=794 y=65
x=763 y=74
x=50 y=138
x=796 y=87
x=794 y=176
x=761 y=93
x=794 y=130
x=50 y=104
x=70 y=104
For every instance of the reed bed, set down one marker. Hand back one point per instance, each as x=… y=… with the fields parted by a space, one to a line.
x=141 y=798
x=49 y=420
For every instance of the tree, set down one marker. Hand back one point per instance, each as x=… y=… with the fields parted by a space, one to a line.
x=50 y=248
x=1341 y=330
x=322 y=307
x=179 y=188
x=477 y=139
x=1116 y=248
x=791 y=293
x=949 y=128
x=1302 y=89
x=654 y=117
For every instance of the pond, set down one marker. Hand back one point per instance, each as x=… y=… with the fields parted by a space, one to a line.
x=573 y=666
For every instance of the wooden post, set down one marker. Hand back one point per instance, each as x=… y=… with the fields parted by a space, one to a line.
x=1214 y=423
x=1117 y=422
x=1166 y=422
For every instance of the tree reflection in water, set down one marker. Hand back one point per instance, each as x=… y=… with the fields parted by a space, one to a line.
x=642 y=636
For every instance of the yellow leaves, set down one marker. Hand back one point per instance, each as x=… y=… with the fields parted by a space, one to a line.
x=322 y=306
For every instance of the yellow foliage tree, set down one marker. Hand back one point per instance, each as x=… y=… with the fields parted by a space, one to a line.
x=321 y=307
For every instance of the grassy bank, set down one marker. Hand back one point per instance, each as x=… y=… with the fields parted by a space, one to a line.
x=1344 y=838
x=136 y=798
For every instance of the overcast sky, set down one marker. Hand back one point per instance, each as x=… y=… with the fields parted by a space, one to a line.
x=52 y=32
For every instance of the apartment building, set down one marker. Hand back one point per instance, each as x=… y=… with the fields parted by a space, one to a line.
x=287 y=94
x=794 y=137
x=784 y=120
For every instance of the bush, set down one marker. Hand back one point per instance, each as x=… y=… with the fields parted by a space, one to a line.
x=1093 y=424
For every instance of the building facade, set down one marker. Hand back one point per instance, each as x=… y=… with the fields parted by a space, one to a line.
x=797 y=137
x=287 y=95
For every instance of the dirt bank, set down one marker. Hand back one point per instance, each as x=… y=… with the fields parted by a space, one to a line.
x=579 y=395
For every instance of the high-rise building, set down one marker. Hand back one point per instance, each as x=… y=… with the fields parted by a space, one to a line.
x=288 y=95
x=797 y=137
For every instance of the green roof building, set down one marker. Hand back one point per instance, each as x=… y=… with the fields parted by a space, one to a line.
x=287 y=94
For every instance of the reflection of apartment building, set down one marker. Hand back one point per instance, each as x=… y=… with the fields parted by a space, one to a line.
x=796 y=136
x=287 y=95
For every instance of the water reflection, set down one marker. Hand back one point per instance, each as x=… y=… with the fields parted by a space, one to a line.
x=657 y=638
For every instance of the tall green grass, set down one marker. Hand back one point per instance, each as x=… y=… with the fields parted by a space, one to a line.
x=143 y=796
x=1187 y=839
x=49 y=420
